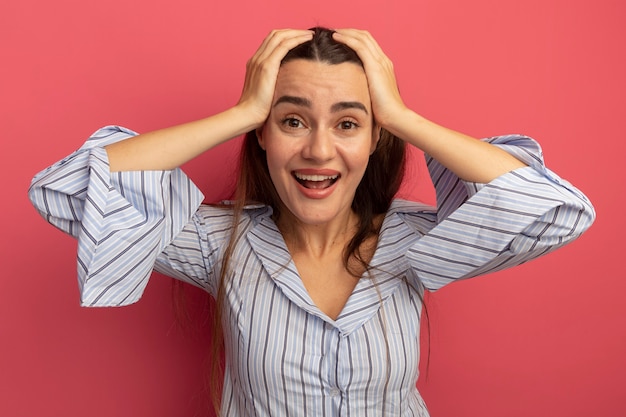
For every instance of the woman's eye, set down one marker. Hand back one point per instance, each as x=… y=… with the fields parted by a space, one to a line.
x=292 y=123
x=347 y=124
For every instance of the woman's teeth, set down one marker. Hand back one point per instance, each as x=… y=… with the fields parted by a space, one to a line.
x=315 y=177
x=316 y=181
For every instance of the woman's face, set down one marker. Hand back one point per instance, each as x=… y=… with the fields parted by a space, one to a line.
x=318 y=138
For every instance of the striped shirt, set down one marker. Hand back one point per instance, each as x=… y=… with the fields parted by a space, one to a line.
x=284 y=356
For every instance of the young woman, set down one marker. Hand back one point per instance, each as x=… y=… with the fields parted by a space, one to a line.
x=317 y=270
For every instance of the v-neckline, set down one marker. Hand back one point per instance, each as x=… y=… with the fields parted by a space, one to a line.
x=367 y=296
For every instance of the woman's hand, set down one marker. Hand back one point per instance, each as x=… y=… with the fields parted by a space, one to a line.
x=387 y=104
x=171 y=147
x=469 y=159
x=262 y=71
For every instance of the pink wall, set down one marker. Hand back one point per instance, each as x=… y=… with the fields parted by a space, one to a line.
x=545 y=339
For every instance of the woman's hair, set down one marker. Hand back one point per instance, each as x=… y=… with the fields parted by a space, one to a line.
x=374 y=194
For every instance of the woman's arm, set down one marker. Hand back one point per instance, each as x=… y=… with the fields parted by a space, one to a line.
x=483 y=228
x=470 y=159
x=171 y=147
x=489 y=221
x=144 y=212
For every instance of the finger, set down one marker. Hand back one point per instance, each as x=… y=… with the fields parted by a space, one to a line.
x=274 y=34
x=285 y=45
x=362 y=42
x=289 y=38
x=356 y=39
x=262 y=69
x=277 y=46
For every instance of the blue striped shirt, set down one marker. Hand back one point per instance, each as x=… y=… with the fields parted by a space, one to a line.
x=285 y=357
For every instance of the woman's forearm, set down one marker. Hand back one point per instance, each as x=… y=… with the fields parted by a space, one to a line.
x=173 y=146
x=470 y=159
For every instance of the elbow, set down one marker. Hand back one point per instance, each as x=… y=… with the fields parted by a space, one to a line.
x=587 y=217
x=556 y=228
x=35 y=197
x=580 y=221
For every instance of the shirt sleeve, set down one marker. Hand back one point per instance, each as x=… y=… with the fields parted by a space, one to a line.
x=122 y=220
x=483 y=228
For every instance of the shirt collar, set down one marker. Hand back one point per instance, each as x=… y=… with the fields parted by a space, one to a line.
x=388 y=267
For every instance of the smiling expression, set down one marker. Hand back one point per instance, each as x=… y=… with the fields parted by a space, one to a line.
x=318 y=138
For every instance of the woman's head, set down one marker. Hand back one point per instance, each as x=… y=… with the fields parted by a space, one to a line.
x=384 y=169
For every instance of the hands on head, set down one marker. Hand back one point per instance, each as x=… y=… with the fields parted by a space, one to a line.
x=171 y=147
x=262 y=70
x=168 y=148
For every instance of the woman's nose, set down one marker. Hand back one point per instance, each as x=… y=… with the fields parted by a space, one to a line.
x=320 y=146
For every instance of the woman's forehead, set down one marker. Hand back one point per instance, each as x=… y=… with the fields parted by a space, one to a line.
x=314 y=80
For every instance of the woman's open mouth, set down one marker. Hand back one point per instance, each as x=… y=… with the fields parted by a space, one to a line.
x=315 y=181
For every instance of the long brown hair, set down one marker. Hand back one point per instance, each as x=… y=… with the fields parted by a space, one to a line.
x=374 y=194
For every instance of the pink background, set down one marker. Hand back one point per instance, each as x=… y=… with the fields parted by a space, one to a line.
x=545 y=339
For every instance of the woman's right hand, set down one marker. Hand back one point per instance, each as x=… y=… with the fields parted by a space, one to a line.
x=262 y=71
x=171 y=147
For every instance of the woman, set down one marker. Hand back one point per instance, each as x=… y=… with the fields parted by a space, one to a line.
x=318 y=272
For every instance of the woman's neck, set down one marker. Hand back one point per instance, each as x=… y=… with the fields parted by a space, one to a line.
x=318 y=239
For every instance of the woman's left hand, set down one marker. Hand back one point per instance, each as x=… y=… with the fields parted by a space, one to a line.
x=387 y=104
x=469 y=159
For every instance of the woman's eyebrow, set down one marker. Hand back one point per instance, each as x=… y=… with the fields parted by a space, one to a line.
x=299 y=101
x=305 y=102
x=342 y=105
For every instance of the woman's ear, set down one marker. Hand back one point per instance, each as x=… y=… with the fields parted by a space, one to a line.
x=259 y=136
x=376 y=131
